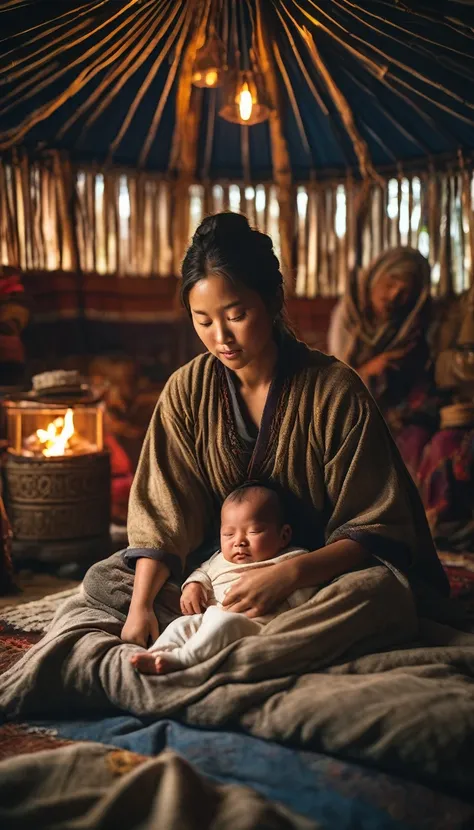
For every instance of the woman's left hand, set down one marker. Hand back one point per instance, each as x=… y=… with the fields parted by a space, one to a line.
x=257 y=593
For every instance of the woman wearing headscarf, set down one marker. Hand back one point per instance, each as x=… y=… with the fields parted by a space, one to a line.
x=379 y=328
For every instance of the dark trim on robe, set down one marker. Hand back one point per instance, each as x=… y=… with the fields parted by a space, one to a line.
x=130 y=556
x=262 y=443
x=242 y=430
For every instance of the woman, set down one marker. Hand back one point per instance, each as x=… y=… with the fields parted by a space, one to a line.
x=379 y=328
x=261 y=405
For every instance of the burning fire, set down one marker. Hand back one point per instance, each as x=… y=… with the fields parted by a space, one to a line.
x=55 y=439
x=59 y=438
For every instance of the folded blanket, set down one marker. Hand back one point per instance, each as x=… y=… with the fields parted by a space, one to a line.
x=342 y=673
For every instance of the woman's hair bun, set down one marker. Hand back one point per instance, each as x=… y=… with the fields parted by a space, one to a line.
x=225 y=224
x=207 y=227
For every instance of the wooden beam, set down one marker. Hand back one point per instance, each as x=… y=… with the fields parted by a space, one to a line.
x=183 y=157
x=279 y=147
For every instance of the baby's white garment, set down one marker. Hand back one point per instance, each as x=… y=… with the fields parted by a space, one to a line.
x=192 y=639
x=217 y=574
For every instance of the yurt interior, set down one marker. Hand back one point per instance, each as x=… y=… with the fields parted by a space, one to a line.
x=236 y=400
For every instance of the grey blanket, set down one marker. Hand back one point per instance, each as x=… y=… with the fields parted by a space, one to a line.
x=342 y=674
x=93 y=787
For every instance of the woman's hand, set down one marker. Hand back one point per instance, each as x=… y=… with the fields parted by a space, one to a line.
x=258 y=592
x=141 y=626
x=193 y=598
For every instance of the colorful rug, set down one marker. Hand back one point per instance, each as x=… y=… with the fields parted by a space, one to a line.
x=34 y=616
x=23 y=625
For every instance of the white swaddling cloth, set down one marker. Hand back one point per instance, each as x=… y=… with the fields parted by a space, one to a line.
x=193 y=638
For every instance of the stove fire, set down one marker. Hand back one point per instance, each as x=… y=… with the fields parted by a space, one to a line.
x=57 y=479
x=59 y=438
x=54 y=431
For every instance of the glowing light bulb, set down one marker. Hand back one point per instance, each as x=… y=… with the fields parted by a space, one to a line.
x=245 y=102
x=211 y=77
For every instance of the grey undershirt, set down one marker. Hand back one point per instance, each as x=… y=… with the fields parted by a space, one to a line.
x=242 y=428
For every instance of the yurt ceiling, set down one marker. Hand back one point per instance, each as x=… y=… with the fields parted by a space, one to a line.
x=361 y=86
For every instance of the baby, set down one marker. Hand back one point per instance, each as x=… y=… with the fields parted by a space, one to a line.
x=253 y=535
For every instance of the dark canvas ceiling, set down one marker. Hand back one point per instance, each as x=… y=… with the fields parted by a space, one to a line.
x=70 y=72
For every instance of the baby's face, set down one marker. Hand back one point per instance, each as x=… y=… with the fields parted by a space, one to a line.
x=250 y=532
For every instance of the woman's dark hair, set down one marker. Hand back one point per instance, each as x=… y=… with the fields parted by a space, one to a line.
x=226 y=245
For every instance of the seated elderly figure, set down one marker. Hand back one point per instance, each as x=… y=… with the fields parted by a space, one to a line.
x=379 y=328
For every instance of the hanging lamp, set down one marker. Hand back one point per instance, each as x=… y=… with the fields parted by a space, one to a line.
x=245 y=100
x=209 y=65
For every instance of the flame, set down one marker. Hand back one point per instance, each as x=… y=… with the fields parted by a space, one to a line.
x=245 y=102
x=55 y=437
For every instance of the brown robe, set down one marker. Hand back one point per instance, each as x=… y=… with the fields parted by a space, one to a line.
x=322 y=439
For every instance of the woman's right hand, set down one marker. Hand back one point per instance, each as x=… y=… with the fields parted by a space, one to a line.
x=141 y=626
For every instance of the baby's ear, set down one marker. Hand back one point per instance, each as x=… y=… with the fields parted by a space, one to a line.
x=286 y=534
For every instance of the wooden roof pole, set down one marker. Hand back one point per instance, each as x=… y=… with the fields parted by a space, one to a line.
x=280 y=155
x=183 y=158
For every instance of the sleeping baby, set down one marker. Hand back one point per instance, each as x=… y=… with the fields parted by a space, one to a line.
x=253 y=535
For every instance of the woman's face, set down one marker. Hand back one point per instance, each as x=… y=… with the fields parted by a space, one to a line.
x=390 y=293
x=231 y=320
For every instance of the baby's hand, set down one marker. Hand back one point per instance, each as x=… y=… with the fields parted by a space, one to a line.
x=193 y=598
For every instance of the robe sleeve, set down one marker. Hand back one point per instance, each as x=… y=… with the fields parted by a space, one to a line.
x=171 y=504
x=371 y=497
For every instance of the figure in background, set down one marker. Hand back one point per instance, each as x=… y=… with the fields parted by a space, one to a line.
x=446 y=474
x=380 y=329
x=14 y=315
